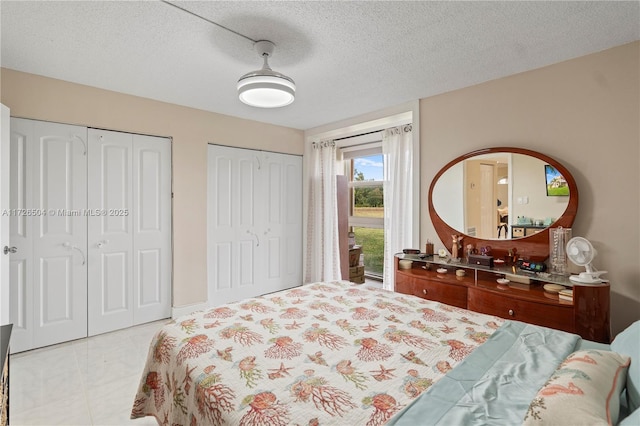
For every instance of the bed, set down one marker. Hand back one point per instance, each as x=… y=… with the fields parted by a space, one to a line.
x=343 y=354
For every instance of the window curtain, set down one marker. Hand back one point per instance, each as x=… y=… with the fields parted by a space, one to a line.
x=397 y=149
x=323 y=251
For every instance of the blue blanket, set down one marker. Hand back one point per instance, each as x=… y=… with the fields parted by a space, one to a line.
x=495 y=383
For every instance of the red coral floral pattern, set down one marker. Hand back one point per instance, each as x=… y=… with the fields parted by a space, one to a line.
x=322 y=354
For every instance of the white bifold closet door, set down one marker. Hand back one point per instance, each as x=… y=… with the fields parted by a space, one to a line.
x=49 y=270
x=91 y=223
x=5 y=171
x=129 y=230
x=254 y=223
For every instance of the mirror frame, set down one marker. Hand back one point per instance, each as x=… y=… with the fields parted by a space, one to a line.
x=533 y=247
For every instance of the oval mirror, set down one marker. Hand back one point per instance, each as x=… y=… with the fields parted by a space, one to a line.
x=498 y=196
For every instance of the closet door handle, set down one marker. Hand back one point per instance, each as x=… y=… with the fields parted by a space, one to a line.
x=72 y=247
x=8 y=249
x=84 y=145
x=256 y=237
x=102 y=243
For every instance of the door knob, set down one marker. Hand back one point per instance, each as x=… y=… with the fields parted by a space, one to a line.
x=256 y=237
x=72 y=247
x=102 y=243
x=8 y=250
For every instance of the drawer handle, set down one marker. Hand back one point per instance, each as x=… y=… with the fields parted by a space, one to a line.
x=511 y=313
x=424 y=291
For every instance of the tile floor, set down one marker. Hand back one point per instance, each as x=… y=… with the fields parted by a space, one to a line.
x=372 y=283
x=89 y=381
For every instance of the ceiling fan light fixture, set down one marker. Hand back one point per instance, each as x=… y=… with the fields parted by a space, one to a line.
x=266 y=88
x=266 y=91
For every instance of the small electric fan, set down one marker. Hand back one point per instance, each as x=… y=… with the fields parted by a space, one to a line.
x=581 y=252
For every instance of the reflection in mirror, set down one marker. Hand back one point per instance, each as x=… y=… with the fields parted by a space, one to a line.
x=499 y=195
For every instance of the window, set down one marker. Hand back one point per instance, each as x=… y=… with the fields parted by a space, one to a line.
x=364 y=165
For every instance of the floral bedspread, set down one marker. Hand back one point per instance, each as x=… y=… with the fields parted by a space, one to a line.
x=324 y=353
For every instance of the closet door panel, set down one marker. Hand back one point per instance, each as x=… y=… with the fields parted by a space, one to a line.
x=110 y=285
x=275 y=188
x=293 y=191
x=246 y=230
x=274 y=258
x=246 y=190
x=20 y=231
x=284 y=224
x=152 y=228
x=291 y=245
x=273 y=220
x=149 y=170
x=60 y=235
x=115 y=293
x=220 y=175
x=222 y=255
x=292 y=228
x=247 y=261
x=254 y=207
x=56 y=186
x=149 y=266
x=233 y=235
x=5 y=219
x=21 y=310
x=221 y=226
x=56 y=289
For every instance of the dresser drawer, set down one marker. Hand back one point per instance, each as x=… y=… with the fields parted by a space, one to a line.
x=588 y=315
x=553 y=316
x=450 y=294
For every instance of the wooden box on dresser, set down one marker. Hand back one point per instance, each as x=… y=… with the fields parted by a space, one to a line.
x=478 y=290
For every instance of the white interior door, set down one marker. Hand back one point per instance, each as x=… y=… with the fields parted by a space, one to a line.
x=110 y=244
x=21 y=227
x=152 y=228
x=282 y=220
x=254 y=223
x=118 y=229
x=129 y=230
x=60 y=238
x=5 y=148
x=233 y=233
x=488 y=206
x=49 y=230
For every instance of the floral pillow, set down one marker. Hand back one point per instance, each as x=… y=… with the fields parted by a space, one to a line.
x=628 y=343
x=584 y=389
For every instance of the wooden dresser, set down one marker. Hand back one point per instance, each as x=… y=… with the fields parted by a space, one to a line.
x=5 y=335
x=478 y=290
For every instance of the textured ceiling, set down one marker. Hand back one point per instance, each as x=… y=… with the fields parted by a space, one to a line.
x=347 y=58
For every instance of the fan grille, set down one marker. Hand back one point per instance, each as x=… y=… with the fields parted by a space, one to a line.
x=580 y=251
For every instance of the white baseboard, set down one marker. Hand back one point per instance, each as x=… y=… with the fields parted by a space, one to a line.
x=178 y=311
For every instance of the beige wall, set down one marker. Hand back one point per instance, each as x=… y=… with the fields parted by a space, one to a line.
x=585 y=113
x=35 y=97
